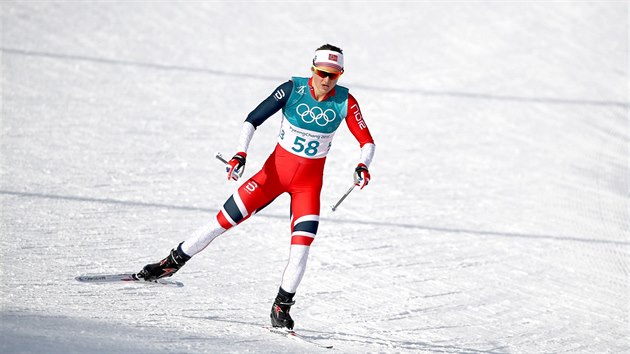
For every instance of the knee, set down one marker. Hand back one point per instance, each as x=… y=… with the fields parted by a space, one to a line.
x=232 y=212
x=304 y=230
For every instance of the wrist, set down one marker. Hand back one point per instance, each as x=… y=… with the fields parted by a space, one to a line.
x=361 y=167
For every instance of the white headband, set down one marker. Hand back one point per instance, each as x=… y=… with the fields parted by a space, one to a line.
x=328 y=58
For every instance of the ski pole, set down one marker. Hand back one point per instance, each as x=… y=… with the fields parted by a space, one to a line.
x=334 y=207
x=220 y=158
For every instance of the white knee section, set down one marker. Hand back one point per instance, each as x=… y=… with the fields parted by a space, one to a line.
x=295 y=268
x=202 y=237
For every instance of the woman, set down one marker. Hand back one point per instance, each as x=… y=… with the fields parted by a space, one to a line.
x=312 y=109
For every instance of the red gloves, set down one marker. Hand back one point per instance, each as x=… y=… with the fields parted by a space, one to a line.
x=361 y=176
x=236 y=166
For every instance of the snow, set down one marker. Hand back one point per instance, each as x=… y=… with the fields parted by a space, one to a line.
x=496 y=220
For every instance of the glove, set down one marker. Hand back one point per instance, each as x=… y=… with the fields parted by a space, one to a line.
x=236 y=166
x=361 y=176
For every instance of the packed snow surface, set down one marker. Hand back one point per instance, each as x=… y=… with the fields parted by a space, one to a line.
x=496 y=220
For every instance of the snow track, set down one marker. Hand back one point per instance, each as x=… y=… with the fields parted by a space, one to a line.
x=496 y=220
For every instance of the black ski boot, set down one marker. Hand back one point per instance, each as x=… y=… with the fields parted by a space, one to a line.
x=166 y=267
x=280 y=316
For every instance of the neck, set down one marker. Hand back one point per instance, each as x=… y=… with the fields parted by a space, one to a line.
x=319 y=96
x=316 y=93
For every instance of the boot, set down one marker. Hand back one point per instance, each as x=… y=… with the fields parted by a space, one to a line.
x=280 y=316
x=166 y=267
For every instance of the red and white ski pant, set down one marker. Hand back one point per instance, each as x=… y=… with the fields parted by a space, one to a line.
x=282 y=172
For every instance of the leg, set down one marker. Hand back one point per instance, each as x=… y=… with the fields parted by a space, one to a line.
x=305 y=188
x=257 y=192
x=304 y=224
x=245 y=202
x=202 y=237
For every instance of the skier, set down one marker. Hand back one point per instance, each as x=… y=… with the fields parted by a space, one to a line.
x=312 y=110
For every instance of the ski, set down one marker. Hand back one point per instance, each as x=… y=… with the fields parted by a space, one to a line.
x=129 y=277
x=289 y=333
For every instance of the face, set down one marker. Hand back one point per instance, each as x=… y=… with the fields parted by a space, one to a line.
x=324 y=79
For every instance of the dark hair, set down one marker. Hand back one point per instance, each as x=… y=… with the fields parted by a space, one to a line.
x=330 y=47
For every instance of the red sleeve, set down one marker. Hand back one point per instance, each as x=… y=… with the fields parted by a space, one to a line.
x=356 y=124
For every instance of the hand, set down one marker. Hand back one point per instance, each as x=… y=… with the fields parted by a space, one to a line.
x=361 y=176
x=236 y=166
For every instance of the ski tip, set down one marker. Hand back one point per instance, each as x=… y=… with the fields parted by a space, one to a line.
x=91 y=278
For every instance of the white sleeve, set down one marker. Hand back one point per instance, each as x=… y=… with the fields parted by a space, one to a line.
x=367 y=153
x=247 y=133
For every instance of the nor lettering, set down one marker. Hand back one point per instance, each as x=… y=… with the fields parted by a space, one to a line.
x=358 y=117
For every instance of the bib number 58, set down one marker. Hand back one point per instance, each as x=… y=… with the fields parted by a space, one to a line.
x=310 y=149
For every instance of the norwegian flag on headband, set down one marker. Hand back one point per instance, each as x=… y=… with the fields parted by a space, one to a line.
x=328 y=58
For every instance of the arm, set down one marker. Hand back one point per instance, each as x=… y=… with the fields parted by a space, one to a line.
x=264 y=110
x=360 y=131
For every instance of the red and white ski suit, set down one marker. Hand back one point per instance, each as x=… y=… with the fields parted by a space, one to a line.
x=283 y=172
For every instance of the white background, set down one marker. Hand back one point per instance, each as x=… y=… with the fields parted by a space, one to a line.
x=496 y=220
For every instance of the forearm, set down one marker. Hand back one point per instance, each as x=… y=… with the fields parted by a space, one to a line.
x=247 y=133
x=367 y=153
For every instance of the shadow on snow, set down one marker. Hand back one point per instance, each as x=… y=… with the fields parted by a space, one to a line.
x=330 y=220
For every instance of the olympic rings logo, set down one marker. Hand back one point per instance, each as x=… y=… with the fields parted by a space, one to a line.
x=315 y=114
